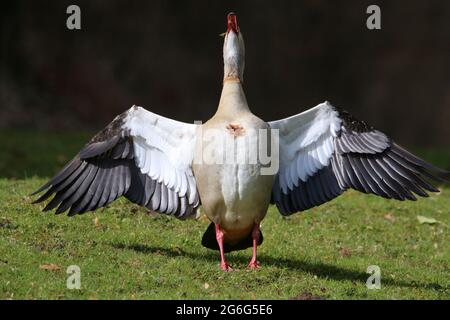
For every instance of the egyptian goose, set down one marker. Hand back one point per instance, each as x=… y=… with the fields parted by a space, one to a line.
x=160 y=164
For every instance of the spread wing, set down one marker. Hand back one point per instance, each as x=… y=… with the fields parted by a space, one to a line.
x=140 y=155
x=325 y=151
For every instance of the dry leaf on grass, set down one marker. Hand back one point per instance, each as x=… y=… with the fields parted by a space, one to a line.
x=49 y=266
x=344 y=252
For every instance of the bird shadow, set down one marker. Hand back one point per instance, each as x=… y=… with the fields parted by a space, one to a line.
x=319 y=269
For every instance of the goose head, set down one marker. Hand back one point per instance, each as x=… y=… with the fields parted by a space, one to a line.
x=233 y=51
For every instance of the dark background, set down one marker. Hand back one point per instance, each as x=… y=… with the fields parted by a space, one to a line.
x=167 y=57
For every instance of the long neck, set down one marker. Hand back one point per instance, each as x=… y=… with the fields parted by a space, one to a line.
x=233 y=57
x=232 y=100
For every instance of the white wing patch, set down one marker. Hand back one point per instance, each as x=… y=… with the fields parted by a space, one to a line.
x=164 y=150
x=306 y=143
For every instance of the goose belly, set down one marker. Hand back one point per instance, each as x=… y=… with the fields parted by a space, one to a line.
x=246 y=195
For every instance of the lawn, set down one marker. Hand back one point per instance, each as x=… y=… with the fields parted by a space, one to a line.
x=126 y=253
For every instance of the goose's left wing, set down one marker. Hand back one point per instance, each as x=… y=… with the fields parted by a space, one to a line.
x=324 y=151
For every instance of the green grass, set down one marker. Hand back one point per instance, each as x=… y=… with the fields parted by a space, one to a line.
x=129 y=254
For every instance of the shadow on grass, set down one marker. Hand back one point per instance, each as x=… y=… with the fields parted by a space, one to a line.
x=318 y=269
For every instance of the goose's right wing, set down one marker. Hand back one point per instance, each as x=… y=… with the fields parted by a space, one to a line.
x=141 y=155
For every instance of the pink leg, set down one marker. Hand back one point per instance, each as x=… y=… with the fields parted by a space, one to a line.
x=254 y=264
x=219 y=236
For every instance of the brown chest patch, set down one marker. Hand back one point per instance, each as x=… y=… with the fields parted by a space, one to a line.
x=235 y=129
